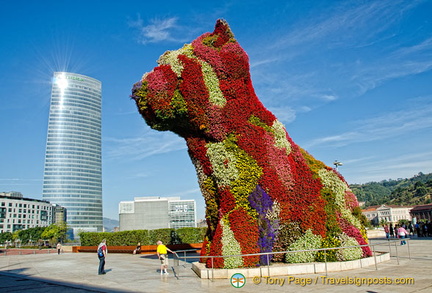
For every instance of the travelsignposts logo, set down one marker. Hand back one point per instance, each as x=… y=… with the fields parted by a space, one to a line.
x=238 y=280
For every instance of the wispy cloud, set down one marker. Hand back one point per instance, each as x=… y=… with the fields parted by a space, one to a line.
x=402 y=166
x=186 y=192
x=406 y=61
x=345 y=25
x=316 y=61
x=146 y=145
x=283 y=114
x=11 y=183
x=158 y=30
x=416 y=117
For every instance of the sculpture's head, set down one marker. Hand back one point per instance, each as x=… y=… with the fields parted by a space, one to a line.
x=194 y=89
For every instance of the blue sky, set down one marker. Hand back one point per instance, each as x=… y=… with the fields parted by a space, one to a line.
x=351 y=81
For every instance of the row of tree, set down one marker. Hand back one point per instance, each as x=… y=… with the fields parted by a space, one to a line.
x=410 y=191
x=53 y=233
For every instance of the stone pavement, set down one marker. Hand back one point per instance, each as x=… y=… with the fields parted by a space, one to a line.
x=77 y=272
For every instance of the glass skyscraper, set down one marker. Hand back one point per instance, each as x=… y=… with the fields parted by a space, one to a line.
x=73 y=160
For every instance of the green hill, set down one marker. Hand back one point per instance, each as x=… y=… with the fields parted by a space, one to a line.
x=410 y=191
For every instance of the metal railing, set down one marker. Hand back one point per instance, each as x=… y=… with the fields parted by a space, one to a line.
x=388 y=243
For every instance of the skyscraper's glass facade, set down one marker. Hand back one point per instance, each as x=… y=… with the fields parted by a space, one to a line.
x=73 y=165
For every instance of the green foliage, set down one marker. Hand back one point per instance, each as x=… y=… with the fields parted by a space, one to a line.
x=145 y=237
x=286 y=235
x=329 y=255
x=163 y=235
x=5 y=236
x=357 y=212
x=33 y=234
x=372 y=193
x=411 y=191
x=123 y=238
x=191 y=235
x=404 y=222
x=55 y=232
x=332 y=224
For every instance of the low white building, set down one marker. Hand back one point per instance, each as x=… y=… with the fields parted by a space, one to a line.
x=149 y=213
x=387 y=213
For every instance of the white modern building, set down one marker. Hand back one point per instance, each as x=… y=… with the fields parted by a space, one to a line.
x=73 y=163
x=148 y=213
x=18 y=212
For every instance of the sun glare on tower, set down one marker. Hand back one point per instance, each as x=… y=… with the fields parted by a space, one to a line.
x=61 y=81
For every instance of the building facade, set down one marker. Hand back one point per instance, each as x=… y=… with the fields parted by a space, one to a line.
x=73 y=158
x=422 y=212
x=148 y=213
x=18 y=212
x=387 y=213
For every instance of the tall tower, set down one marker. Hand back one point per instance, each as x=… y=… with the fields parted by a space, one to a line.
x=73 y=161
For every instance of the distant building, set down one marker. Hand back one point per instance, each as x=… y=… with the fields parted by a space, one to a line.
x=60 y=214
x=148 y=213
x=18 y=212
x=202 y=223
x=422 y=212
x=387 y=213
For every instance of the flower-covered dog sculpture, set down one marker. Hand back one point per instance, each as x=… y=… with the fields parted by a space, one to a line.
x=263 y=193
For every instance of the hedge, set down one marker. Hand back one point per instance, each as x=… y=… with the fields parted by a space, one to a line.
x=145 y=237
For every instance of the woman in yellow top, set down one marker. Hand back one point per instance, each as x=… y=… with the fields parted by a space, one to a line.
x=162 y=253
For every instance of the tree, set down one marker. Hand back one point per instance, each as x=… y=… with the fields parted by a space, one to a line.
x=31 y=234
x=55 y=232
x=5 y=236
x=421 y=191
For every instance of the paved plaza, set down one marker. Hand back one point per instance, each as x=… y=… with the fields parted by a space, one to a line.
x=77 y=272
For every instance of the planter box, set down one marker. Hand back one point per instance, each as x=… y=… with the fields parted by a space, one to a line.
x=280 y=269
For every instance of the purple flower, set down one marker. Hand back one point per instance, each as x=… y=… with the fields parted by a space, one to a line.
x=263 y=204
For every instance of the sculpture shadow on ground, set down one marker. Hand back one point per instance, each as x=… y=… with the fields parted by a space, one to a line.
x=14 y=279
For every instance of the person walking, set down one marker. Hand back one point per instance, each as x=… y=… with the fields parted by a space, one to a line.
x=162 y=253
x=102 y=252
x=387 y=231
x=392 y=232
x=59 y=247
x=402 y=233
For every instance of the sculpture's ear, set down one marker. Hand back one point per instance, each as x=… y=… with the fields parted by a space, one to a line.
x=223 y=30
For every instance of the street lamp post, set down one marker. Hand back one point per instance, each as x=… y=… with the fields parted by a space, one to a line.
x=337 y=164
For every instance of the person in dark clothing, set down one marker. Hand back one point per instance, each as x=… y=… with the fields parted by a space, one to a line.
x=102 y=253
x=137 y=250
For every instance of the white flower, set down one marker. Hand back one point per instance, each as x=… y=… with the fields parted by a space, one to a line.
x=281 y=136
x=223 y=163
x=230 y=246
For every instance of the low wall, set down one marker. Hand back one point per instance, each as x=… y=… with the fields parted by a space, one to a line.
x=376 y=233
x=288 y=269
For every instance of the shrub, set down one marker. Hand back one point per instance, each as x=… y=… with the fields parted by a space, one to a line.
x=145 y=237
